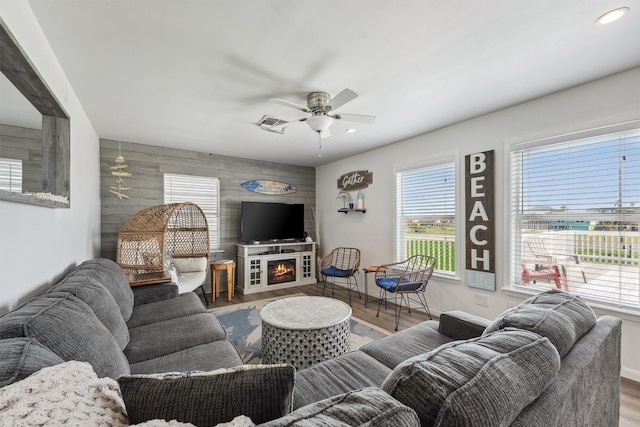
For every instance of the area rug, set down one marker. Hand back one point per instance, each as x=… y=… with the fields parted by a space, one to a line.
x=244 y=328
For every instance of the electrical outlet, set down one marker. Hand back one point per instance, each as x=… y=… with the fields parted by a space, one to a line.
x=482 y=300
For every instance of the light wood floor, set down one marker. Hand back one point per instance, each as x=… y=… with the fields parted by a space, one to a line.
x=629 y=391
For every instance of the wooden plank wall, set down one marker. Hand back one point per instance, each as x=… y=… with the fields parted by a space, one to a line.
x=148 y=164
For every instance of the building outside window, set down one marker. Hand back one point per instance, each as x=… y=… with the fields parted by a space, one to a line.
x=575 y=215
x=204 y=191
x=426 y=213
x=11 y=175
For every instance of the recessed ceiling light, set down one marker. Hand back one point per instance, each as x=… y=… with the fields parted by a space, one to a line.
x=612 y=15
x=351 y=130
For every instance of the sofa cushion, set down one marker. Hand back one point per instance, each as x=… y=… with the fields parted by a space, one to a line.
x=205 y=357
x=184 y=305
x=367 y=407
x=557 y=315
x=160 y=338
x=414 y=341
x=112 y=277
x=335 y=271
x=261 y=392
x=483 y=381
x=22 y=357
x=336 y=376
x=96 y=296
x=69 y=328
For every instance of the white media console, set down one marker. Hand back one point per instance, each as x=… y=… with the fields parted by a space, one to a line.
x=275 y=265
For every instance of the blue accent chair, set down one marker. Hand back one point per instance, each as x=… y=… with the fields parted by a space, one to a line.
x=404 y=279
x=341 y=264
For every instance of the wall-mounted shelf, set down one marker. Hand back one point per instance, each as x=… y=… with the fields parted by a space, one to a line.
x=345 y=210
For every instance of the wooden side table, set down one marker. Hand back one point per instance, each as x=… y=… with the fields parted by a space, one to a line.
x=216 y=267
x=138 y=279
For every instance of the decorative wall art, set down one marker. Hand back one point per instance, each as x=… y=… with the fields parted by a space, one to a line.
x=264 y=186
x=118 y=171
x=480 y=221
x=356 y=180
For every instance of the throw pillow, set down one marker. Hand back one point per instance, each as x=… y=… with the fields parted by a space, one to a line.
x=368 y=406
x=485 y=381
x=192 y=264
x=261 y=392
x=560 y=316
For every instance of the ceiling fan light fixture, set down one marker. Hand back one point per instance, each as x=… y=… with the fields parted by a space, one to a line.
x=319 y=123
x=612 y=15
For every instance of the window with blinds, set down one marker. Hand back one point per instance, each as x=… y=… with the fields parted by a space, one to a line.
x=201 y=190
x=11 y=175
x=575 y=213
x=426 y=213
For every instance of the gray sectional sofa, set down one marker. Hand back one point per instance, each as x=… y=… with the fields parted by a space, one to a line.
x=547 y=362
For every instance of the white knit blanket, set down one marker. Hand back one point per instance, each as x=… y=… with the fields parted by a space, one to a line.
x=66 y=394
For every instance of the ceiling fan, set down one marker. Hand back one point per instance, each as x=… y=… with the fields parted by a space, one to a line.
x=321 y=107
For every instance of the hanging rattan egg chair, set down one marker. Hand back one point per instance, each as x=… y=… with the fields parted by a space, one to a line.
x=175 y=232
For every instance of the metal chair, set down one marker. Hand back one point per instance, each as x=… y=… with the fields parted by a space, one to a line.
x=341 y=264
x=410 y=276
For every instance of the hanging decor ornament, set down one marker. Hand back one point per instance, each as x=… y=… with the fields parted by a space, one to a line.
x=118 y=171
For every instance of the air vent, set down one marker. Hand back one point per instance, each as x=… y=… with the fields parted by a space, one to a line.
x=269 y=121
x=271 y=124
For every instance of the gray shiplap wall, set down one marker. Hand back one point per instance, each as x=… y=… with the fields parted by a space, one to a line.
x=148 y=164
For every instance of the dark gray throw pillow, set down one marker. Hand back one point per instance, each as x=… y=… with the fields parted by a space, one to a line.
x=261 y=392
x=560 y=316
x=485 y=381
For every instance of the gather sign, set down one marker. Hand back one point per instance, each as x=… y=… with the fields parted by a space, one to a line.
x=480 y=220
x=356 y=180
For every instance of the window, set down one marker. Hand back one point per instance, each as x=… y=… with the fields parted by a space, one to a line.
x=201 y=190
x=575 y=214
x=11 y=175
x=425 y=213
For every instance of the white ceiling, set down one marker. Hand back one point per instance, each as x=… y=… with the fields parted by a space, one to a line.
x=198 y=74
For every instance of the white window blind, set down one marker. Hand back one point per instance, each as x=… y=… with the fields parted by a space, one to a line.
x=575 y=212
x=426 y=213
x=201 y=190
x=11 y=175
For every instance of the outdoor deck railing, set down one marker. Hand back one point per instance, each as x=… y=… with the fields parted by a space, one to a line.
x=607 y=249
x=443 y=250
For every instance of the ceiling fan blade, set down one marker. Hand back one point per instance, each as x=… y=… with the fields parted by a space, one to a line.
x=358 y=118
x=289 y=104
x=293 y=122
x=342 y=98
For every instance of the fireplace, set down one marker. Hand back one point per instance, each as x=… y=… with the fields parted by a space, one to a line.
x=281 y=271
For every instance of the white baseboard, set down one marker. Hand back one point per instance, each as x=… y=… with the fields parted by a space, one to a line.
x=631 y=374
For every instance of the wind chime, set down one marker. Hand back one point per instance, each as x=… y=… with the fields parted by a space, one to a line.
x=118 y=170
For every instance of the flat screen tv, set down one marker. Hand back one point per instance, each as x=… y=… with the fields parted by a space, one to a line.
x=264 y=221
